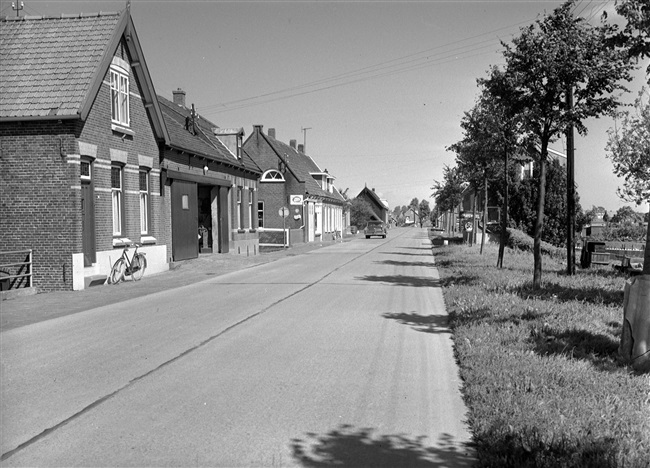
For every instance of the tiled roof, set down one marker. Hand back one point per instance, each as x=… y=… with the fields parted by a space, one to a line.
x=204 y=143
x=48 y=63
x=302 y=165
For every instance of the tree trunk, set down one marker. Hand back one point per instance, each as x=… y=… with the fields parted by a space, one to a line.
x=646 y=256
x=471 y=233
x=485 y=204
x=504 y=214
x=539 y=222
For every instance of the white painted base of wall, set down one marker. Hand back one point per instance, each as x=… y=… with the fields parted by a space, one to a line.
x=156 y=263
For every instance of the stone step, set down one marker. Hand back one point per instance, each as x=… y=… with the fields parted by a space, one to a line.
x=94 y=280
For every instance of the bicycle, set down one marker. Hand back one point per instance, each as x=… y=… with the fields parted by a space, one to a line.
x=123 y=266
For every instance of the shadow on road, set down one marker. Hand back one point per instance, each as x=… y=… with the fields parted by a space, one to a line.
x=422 y=323
x=403 y=253
x=402 y=280
x=409 y=264
x=350 y=447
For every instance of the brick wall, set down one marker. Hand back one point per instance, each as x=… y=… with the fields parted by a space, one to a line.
x=39 y=209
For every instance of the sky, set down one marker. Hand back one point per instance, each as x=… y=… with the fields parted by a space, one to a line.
x=375 y=89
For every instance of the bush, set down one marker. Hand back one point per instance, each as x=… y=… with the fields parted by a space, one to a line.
x=519 y=240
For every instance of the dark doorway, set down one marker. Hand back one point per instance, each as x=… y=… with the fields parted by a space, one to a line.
x=87 y=215
x=205 y=218
x=185 y=224
x=224 y=228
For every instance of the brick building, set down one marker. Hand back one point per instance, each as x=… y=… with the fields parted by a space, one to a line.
x=80 y=128
x=212 y=184
x=291 y=179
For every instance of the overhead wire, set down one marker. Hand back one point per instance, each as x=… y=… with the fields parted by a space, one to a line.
x=387 y=68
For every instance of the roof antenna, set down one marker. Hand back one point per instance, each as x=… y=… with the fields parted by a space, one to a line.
x=128 y=5
x=17 y=8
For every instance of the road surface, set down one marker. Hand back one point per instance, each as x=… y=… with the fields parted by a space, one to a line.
x=339 y=356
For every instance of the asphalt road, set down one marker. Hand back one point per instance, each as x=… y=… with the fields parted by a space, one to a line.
x=340 y=356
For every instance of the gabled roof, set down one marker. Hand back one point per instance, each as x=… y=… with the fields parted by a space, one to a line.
x=301 y=166
x=52 y=67
x=373 y=196
x=204 y=143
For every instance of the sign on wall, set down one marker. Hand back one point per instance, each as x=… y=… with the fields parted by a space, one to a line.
x=295 y=199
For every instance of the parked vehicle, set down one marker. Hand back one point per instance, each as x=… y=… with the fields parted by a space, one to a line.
x=375 y=228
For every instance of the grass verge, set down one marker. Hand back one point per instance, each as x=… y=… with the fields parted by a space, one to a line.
x=541 y=374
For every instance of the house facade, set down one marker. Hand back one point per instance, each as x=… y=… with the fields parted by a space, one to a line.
x=211 y=183
x=295 y=194
x=80 y=129
x=379 y=207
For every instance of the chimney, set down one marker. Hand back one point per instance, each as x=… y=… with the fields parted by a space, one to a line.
x=179 y=97
x=301 y=148
x=271 y=133
x=373 y=189
x=292 y=143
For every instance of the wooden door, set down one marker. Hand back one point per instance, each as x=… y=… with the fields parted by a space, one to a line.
x=185 y=220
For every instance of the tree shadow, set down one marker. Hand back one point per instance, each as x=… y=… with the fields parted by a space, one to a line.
x=402 y=280
x=600 y=350
x=505 y=446
x=348 y=447
x=422 y=323
x=402 y=253
x=557 y=292
x=415 y=264
x=458 y=280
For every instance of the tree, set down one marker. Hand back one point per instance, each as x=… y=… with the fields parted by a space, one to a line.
x=360 y=212
x=448 y=193
x=556 y=54
x=626 y=215
x=424 y=211
x=629 y=149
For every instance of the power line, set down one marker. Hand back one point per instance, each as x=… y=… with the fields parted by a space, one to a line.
x=384 y=67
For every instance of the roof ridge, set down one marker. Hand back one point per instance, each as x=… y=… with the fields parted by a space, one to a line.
x=61 y=16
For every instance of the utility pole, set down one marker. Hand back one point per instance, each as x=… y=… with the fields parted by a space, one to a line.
x=17 y=8
x=304 y=138
x=570 y=187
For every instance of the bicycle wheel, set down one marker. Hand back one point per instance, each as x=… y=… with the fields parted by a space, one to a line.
x=117 y=272
x=138 y=266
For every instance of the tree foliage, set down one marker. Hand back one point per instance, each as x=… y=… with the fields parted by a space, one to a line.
x=448 y=193
x=523 y=206
x=424 y=211
x=628 y=147
x=360 y=212
x=635 y=36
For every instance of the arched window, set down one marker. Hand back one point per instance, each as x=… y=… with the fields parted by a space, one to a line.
x=272 y=175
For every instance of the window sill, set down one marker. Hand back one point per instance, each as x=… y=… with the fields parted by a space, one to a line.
x=145 y=240
x=123 y=130
x=121 y=241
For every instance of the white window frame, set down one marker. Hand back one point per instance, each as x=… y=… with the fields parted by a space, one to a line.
x=119 y=82
x=239 y=197
x=272 y=175
x=144 y=202
x=117 y=201
x=250 y=209
x=260 y=220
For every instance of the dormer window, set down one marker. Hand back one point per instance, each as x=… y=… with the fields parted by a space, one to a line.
x=272 y=175
x=120 y=93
